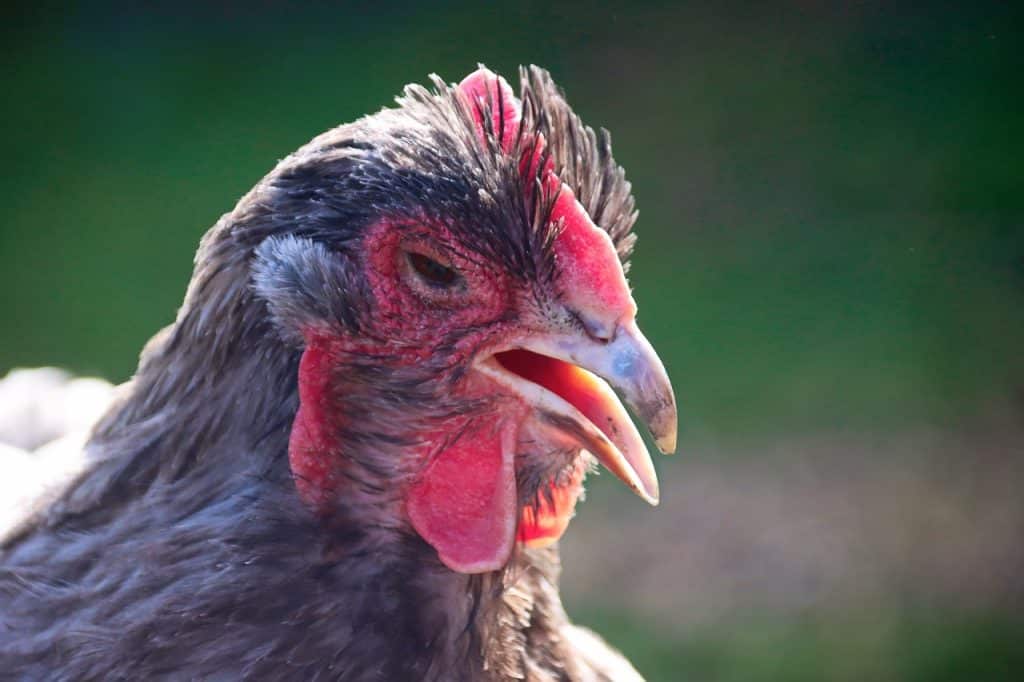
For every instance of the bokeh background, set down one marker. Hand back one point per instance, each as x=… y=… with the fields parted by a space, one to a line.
x=831 y=264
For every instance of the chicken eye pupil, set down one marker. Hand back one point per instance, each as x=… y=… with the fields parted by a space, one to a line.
x=432 y=271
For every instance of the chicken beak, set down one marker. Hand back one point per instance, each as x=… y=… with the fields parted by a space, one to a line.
x=569 y=382
x=630 y=365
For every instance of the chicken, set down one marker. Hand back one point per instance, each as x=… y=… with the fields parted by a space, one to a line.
x=352 y=454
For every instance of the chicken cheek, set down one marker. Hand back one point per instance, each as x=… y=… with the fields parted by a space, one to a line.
x=464 y=504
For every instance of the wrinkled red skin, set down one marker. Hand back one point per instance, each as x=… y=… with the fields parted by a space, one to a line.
x=312 y=453
x=464 y=503
x=406 y=329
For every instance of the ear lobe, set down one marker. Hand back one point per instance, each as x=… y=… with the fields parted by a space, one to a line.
x=304 y=285
x=464 y=504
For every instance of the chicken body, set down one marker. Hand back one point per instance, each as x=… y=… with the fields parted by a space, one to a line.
x=271 y=495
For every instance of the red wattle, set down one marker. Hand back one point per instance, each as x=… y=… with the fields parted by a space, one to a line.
x=464 y=504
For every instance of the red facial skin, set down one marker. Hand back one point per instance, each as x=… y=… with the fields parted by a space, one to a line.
x=465 y=503
x=589 y=269
x=312 y=452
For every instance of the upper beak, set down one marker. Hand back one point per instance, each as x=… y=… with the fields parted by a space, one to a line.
x=569 y=380
x=630 y=365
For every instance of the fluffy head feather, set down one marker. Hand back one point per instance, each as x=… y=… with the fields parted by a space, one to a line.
x=184 y=549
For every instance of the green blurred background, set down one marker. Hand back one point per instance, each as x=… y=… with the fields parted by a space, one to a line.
x=831 y=264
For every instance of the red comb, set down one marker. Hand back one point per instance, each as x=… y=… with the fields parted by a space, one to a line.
x=485 y=91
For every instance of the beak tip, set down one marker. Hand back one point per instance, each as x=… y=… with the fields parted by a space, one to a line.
x=665 y=438
x=667 y=443
x=650 y=491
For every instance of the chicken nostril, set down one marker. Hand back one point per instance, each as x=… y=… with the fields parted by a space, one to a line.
x=602 y=332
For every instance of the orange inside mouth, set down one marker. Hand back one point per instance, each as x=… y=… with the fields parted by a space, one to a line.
x=575 y=385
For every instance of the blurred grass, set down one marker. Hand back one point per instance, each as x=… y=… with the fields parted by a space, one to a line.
x=921 y=647
x=832 y=218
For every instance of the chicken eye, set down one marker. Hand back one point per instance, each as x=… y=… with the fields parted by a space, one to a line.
x=432 y=272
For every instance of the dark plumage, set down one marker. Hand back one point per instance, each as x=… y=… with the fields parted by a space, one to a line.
x=184 y=550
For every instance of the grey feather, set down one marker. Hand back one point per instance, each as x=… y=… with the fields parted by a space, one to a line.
x=181 y=549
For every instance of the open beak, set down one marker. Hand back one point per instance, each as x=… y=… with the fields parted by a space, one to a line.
x=570 y=380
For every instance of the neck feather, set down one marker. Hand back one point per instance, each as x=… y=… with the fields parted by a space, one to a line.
x=217 y=395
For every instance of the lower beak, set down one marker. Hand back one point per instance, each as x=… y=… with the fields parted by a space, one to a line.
x=569 y=381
